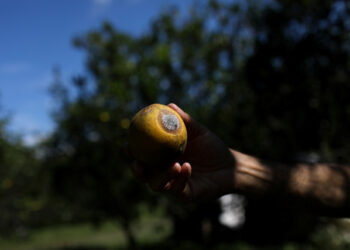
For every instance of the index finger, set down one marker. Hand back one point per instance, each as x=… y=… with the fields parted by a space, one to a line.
x=193 y=127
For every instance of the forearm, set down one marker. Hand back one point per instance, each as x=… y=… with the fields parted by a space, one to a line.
x=318 y=188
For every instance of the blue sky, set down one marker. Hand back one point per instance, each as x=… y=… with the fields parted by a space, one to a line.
x=36 y=35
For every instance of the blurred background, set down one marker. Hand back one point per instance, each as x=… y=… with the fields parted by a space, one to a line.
x=270 y=77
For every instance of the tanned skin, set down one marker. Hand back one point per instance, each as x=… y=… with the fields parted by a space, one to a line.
x=209 y=169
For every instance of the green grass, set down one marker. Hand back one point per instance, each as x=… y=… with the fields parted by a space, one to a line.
x=148 y=230
x=107 y=236
x=151 y=232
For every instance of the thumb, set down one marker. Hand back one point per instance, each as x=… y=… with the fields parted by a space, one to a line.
x=193 y=127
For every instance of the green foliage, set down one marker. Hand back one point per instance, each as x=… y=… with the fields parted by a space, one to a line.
x=21 y=185
x=269 y=77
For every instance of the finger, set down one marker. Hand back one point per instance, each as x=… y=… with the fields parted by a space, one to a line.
x=159 y=182
x=194 y=128
x=186 y=170
x=180 y=186
x=185 y=117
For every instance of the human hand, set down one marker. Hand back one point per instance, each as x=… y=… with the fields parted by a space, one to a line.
x=205 y=170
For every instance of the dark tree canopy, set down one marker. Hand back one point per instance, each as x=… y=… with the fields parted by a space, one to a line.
x=269 y=77
x=22 y=192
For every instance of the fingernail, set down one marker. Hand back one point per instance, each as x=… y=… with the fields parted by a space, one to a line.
x=177 y=168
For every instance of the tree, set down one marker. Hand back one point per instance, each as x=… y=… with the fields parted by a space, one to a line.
x=22 y=185
x=270 y=78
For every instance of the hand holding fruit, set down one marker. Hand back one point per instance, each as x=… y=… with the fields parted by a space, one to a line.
x=204 y=169
x=208 y=168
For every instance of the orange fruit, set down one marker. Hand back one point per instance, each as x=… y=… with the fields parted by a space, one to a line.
x=157 y=135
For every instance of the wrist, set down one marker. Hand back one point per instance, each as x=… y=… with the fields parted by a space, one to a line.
x=317 y=188
x=253 y=177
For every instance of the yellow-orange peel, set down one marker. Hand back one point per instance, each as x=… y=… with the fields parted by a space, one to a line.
x=157 y=135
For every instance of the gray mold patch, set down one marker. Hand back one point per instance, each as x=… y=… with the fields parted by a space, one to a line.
x=170 y=122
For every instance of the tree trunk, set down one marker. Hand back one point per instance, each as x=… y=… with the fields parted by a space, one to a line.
x=131 y=241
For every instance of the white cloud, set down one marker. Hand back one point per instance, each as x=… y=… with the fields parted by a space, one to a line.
x=33 y=139
x=24 y=123
x=14 y=67
x=29 y=128
x=99 y=7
